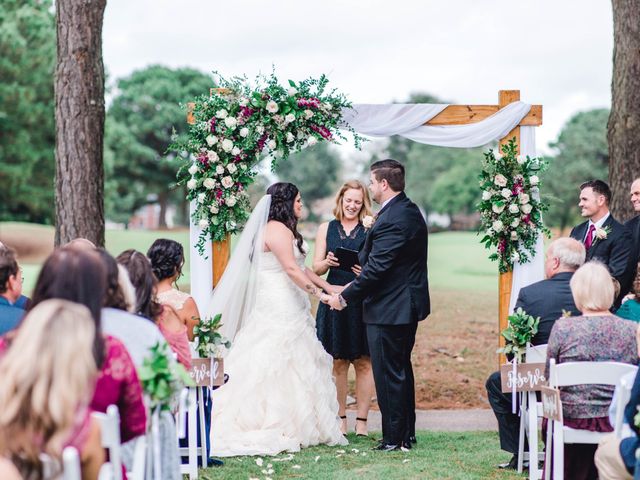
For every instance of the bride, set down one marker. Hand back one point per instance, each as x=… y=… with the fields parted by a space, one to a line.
x=280 y=395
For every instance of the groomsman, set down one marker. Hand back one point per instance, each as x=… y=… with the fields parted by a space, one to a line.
x=633 y=226
x=604 y=238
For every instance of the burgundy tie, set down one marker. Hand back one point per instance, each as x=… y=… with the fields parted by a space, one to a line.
x=589 y=240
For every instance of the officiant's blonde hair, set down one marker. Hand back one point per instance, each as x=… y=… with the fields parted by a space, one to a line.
x=366 y=201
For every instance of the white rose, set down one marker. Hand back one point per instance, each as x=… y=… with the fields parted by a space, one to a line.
x=260 y=129
x=244 y=132
x=514 y=236
x=312 y=141
x=292 y=91
x=290 y=118
x=534 y=180
x=231 y=201
x=222 y=113
x=290 y=137
x=202 y=197
x=497 y=226
x=524 y=198
x=272 y=144
x=227 y=182
x=227 y=145
x=235 y=151
x=212 y=156
x=515 y=223
x=486 y=195
x=231 y=122
x=526 y=208
x=231 y=225
x=272 y=107
x=219 y=169
x=513 y=208
x=204 y=223
x=211 y=140
x=497 y=208
x=506 y=193
x=209 y=183
x=308 y=114
x=191 y=184
x=193 y=169
x=213 y=209
x=243 y=166
x=500 y=180
x=515 y=256
x=244 y=101
x=521 y=159
x=231 y=168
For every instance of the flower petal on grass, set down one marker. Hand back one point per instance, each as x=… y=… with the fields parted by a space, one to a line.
x=316 y=459
x=259 y=461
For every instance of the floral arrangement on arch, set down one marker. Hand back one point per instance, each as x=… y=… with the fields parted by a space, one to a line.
x=511 y=209
x=235 y=126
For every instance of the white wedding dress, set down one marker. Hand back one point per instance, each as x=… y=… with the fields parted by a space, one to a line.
x=280 y=395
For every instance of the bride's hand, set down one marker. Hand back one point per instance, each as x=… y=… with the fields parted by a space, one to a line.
x=336 y=288
x=324 y=298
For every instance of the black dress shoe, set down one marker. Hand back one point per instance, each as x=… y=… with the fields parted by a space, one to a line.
x=412 y=439
x=511 y=464
x=387 y=447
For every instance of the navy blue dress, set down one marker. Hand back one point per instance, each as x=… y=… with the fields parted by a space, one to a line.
x=342 y=333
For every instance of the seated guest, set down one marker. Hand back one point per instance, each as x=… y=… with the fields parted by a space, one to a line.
x=630 y=308
x=145 y=283
x=78 y=275
x=616 y=458
x=10 y=290
x=48 y=376
x=167 y=258
x=8 y=471
x=137 y=333
x=547 y=299
x=596 y=335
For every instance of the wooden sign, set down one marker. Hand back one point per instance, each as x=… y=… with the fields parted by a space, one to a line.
x=207 y=372
x=551 y=404
x=528 y=377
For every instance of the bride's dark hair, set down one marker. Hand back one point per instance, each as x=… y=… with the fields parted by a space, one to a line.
x=283 y=196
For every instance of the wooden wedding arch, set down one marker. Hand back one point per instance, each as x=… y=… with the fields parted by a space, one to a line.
x=452 y=115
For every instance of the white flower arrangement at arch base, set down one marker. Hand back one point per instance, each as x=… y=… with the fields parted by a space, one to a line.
x=233 y=129
x=511 y=209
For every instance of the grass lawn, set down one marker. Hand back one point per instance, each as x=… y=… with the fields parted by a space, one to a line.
x=438 y=455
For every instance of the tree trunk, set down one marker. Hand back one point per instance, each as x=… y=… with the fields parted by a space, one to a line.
x=624 y=121
x=162 y=215
x=79 y=92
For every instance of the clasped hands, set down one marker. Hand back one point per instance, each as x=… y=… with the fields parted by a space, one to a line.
x=333 y=298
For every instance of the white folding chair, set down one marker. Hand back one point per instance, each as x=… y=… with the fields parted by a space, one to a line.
x=110 y=435
x=570 y=374
x=139 y=459
x=193 y=409
x=530 y=413
x=51 y=467
x=622 y=396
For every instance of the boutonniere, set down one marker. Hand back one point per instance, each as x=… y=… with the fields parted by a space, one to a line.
x=602 y=233
x=368 y=221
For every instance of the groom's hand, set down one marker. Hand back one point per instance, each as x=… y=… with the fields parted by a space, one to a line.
x=336 y=289
x=334 y=302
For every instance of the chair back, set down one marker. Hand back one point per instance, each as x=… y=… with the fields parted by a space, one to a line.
x=623 y=393
x=110 y=435
x=536 y=353
x=587 y=373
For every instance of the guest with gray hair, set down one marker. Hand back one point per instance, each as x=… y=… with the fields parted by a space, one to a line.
x=548 y=299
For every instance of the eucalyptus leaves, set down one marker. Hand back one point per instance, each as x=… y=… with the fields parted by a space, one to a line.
x=521 y=330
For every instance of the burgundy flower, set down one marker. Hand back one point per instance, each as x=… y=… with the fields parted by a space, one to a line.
x=309 y=102
x=502 y=245
x=212 y=125
x=246 y=112
x=261 y=141
x=218 y=194
x=526 y=219
x=203 y=159
x=323 y=131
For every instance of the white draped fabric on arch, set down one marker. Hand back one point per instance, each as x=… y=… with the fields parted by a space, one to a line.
x=408 y=120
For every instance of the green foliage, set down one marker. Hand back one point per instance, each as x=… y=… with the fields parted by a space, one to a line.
x=143 y=116
x=161 y=377
x=583 y=155
x=522 y=328
x=208 y=337
x=314 y=171
x=27 y=138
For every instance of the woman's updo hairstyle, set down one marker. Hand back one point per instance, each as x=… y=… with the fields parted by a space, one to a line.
x=167 y=258
x=283 y=196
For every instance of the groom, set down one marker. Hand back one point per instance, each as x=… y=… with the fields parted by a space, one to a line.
x=394 y=292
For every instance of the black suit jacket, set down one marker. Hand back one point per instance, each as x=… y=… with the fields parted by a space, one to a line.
x=633 y=226
x=613 y=251
x=547 y=299
x=393 y=285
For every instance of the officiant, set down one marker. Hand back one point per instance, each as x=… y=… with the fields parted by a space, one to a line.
x=343 y=333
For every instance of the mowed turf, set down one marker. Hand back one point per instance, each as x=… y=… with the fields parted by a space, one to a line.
x=438 y=455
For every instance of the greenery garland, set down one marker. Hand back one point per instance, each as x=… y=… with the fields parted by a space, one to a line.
x=511 y=209
x=232 y=131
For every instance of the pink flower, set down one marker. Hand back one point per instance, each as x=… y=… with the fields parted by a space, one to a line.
x=203 y=158
x=309 y=102
x=526 y=219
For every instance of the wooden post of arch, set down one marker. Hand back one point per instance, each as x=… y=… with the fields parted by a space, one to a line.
x=220 y=251
x=465 y=114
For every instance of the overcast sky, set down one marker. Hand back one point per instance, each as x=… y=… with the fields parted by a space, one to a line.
x=557 y=52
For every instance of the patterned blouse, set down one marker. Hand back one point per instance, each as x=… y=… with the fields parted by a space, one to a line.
x=591 y=339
